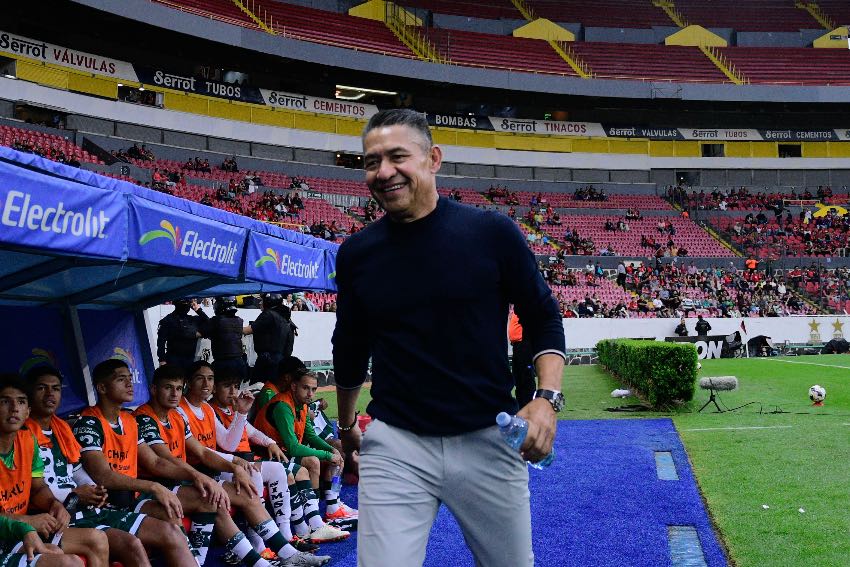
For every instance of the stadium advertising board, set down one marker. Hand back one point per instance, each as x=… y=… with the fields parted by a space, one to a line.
x=45 y=212
x=547 y=127
x=19 y=46
x=163 y=235
x=292 y=101
x=643 y=132
x=710 y=346
x=198 y=85
x=465 y=122
x=278 y=261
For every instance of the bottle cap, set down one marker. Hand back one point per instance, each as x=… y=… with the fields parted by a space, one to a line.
x=503 y=419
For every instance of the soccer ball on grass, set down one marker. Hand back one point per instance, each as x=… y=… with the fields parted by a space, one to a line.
x=817 y=394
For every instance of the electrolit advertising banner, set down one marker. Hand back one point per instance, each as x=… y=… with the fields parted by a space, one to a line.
x=112 y=334
x=277 y=261
x=39 y=340
x=41 y=211
x=162 y=235
x=330 y=269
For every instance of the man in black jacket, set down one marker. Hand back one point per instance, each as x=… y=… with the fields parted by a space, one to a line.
x=225 y=332
x=178 y=334
x=702 y=326
x=274 y=336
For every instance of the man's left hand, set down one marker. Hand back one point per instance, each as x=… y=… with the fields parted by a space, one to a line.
x=542 y=422
x=242 y=483
x=58 y=511
x=276 y=454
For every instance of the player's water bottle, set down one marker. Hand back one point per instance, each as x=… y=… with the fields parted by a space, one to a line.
x=336 y=480
x=514 y=429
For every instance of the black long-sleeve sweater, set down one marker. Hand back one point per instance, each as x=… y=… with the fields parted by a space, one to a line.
x=428 y=300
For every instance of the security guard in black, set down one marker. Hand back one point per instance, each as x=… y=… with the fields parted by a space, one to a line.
x=178 y=334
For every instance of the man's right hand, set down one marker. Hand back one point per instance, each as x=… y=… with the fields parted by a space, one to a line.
x=92 y=495
x=351 y=439
x=168 y=500
x=45 y=524
x=34 y=546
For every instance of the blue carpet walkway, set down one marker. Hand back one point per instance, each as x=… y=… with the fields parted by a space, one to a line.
x=601 y=503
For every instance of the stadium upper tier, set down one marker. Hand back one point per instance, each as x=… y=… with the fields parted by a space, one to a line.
x=648 y=62
x=498 y=51
x=750 y=15
x=600 y=59
x=487 y=9
x=796 y=66
x=602 y=13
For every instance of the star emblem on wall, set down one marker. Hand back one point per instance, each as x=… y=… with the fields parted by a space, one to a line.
x=838 y=328
x=813 y=326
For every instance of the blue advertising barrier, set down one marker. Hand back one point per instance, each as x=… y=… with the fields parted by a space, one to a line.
x=163 y=235
x=82 y=255
x=277 y=261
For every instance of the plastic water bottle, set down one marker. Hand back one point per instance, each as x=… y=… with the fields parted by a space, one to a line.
x=514 y=429
x=336 y=480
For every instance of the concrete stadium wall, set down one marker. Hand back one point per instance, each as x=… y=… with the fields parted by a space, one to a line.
x=480 y=25
x=315 y=330
x=801 y=38
x=162 y=16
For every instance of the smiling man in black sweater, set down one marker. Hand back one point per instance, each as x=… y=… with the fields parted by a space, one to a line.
x=425 y=292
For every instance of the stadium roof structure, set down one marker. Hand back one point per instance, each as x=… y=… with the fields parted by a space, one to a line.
x=70 y=237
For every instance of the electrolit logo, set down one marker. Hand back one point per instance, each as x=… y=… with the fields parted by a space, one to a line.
x=40 y=357
x=126 y=356
x=271 y=256
x=289 y=266
x=20 y=211
x=192 y=244
x=169 y=231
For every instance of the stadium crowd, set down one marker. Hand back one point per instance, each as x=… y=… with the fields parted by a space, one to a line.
x=50 y=152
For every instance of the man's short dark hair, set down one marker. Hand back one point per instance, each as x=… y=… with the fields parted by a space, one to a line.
x=289 y=365
x=106 y=369
x=37 y=372
x=402 y=117
x=197 y=365
x=167 y=373
x=12 y=380
x=225 y=374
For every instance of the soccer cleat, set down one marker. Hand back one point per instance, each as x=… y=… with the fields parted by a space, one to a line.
x=231 y=558
x=345 y=525
x=327 y=534
x=344 y=512
x=268 y=554
x=301 y=559
x=302 y=544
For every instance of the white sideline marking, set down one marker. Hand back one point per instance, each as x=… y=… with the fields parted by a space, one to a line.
x=809 y=363
x=739 y=428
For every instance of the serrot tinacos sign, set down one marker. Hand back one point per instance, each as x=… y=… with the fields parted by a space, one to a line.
x=278 y=261
x=166 y=236
x=42 y=211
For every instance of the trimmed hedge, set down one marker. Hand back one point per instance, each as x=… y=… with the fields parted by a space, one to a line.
x=662 y=373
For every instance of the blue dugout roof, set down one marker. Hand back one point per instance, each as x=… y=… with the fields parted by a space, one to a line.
x=72 y=237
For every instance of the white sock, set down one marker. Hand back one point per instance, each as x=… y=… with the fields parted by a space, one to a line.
x=241 y=547
x=274 y=475
x=256 y=541
x=311 y=510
